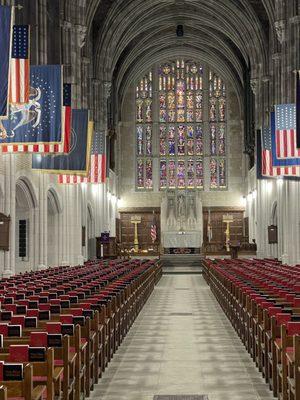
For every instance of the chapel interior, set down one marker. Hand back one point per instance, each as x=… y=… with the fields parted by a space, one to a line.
x=149 y=199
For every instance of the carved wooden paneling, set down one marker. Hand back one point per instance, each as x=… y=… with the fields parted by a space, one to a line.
x=127 y=228
x=219 y=227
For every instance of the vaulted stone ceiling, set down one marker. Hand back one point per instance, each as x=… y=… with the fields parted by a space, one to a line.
x=130 y=35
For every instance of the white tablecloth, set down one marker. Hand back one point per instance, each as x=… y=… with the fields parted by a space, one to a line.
x=186 y=239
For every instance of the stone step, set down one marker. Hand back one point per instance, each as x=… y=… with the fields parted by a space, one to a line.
x=181 y=263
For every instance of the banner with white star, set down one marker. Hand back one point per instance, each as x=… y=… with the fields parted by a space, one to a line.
x=39 y=125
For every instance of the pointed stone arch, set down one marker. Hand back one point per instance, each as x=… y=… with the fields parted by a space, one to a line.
x=26 y=224
x=54 y=227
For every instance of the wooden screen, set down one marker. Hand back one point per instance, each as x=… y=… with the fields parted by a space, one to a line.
x=144 y=236
x=217 y=242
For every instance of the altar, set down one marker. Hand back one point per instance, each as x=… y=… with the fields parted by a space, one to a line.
x=191 y=239
x=181 y=220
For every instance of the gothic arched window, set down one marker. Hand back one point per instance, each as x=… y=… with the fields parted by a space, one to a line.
x=183 y=105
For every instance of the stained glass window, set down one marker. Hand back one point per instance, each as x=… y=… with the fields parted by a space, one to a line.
x=144 y=136
x=217 y=129
x=191 y=116
x=180 y=86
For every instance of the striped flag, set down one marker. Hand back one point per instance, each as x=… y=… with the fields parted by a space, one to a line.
x=19 y=86
x=153 y=229
x=285 y=131
x=6 y=17
x=265 y=153
x=67 y=118
x=97 y=173
x=78 y=159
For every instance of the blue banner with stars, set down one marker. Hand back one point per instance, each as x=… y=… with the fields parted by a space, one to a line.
x=40 y=120
x=78 y=158
x=5 y=38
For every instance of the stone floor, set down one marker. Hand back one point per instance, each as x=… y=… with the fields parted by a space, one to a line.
x=182 y=343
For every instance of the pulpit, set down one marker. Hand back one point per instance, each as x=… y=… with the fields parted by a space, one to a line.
x=107 y=248
x=234 y=249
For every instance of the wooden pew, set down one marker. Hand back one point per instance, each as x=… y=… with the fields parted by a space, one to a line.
x=22 y=388
x=293 y=370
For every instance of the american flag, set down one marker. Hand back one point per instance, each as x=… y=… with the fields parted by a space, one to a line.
x=97 y=173
x=285 y=131
x=267 y=167
x=19 y=86
x=153 y=230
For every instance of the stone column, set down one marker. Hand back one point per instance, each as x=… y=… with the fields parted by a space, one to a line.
x=65 y=229
x=67 y=50
x=277 y=77
x=10 y=209
x=42 y=32
x=284 y=222
x=43 y=227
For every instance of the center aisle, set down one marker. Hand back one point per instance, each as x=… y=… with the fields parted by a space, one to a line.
x=182 y=343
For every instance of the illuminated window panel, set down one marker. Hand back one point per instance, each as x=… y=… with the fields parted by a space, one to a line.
x=172 y=174
x=181 y=140
x=149 y=174
x=171 y=101
x=190 y=140
x=199 y=181
x=198 y=141
x=139 y=111
x=213 y=110
x=181 y=174
x=222 y=173
x=213 y=166
x=163 y=115
x=213 y=139
x=163 y=181
x=144 y=169
x=222 y=110
x=190 y=174
x=162 y=101
x=163 y=140
x=148 y=111
x=217 y=98
x=171 y=140
x=140 y=173
x=148 y=140
x=222 y=140
x=139 y=140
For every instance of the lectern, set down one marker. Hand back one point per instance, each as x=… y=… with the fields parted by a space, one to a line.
x=109 y=247
x=234 y=249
